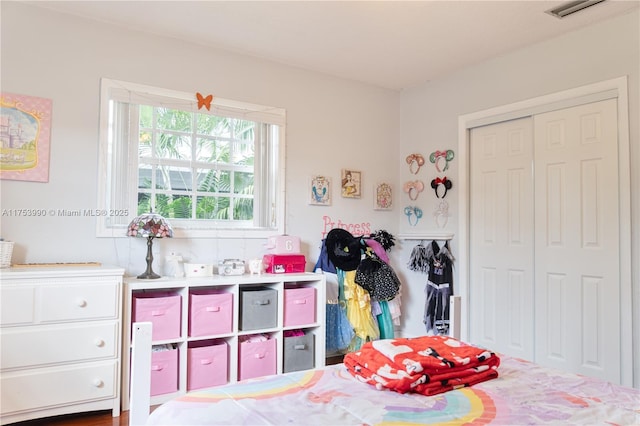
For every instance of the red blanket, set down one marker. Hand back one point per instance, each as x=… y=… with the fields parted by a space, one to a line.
x=428 y=365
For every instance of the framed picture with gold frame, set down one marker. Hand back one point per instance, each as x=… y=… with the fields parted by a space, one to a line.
x=383 y=196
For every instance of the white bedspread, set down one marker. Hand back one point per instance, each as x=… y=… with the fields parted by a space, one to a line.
x=524 y=393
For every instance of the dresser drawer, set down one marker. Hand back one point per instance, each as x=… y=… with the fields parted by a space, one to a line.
x=50 y=387
x=79 y=302
x=18 y=305
x=37 y=346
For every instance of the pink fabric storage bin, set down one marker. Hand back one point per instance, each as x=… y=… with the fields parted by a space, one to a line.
x=164 y=372
x=257 y=359
x=162 y=309
x=207 y=365
x=299 y=306
x=210 y=313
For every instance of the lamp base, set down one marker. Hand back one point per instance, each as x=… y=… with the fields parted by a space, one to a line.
x=149 y=276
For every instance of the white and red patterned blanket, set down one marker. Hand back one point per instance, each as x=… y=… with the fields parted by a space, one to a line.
x=428 y=365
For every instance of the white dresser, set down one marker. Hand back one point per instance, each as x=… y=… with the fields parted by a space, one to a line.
x=60 y=341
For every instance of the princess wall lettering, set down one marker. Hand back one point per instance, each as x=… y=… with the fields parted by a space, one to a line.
x=354 y=228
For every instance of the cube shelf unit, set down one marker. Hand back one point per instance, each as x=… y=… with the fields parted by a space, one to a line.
x=229 y=284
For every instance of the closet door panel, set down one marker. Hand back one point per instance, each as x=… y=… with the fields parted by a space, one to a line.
x=501 y=237
x=577 y=225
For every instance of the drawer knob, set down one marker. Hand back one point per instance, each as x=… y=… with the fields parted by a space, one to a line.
x=81 y=303
x=98 y=383
x=99 y=342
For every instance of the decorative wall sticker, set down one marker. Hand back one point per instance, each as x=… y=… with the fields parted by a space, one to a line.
x=320 y=191
x=204 y=101
x=415 y=161
x=437 y=157
x=25 y=137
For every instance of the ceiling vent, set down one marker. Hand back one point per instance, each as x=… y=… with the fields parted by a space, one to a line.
x=570 y=7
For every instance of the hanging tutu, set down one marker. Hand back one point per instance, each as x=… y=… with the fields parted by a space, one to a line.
x=419 y=260
x=358 y=311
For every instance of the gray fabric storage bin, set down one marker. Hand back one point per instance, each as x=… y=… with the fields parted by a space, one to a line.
x=258 y=308
x=299 y=353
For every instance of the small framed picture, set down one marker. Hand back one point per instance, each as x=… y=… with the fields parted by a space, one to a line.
x=351 y=183
x=320 y=191
x=382 y=197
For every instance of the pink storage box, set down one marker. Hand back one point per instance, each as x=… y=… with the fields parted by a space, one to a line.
x=162 y=309
x=257 y=359
x=284 y=263
x=207 y=365
x=283 y=244
x=210 y=313
x=299 y=306
x=164 y=372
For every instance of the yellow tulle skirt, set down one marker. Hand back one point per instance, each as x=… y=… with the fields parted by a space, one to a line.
x=359 y=313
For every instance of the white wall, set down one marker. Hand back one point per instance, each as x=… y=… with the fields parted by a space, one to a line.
x=429 y=114
x=332 y=124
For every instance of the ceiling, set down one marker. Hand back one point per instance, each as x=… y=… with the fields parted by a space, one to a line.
x=390 y=44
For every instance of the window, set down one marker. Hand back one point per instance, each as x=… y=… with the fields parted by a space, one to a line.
x=216 y=172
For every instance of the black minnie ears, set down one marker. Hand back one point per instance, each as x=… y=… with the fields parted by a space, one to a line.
x=437 y=182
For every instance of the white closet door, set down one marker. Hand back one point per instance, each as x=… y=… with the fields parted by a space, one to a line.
x=501 y=237
x=577 y=289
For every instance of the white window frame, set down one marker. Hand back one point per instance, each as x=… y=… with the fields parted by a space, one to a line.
x=118 y=176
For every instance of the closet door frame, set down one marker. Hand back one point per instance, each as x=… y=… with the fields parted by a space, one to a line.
x=608 y=89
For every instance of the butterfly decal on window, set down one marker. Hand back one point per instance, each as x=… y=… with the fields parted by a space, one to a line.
x=204 y=101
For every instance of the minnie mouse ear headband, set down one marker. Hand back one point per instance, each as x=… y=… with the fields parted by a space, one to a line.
x=413 y=188
x=343 y=249
x=415 y=161
x=437 y=157
x=435 y=184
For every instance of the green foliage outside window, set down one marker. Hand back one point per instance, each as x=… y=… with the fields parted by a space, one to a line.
x=198 y=159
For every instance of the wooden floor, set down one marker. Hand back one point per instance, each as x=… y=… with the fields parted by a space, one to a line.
x=98 y=418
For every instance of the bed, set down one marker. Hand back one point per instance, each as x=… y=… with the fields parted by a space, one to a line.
x=523 y=393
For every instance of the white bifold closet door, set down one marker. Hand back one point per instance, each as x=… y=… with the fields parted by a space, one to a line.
x=544 y=239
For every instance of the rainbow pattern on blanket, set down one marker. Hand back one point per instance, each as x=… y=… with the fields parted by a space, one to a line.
x=258 y=389
x=452 y=408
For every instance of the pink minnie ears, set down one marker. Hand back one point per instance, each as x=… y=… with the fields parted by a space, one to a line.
x=435 y=184
x=415 y=161
x=413 y=188
x=437 y=157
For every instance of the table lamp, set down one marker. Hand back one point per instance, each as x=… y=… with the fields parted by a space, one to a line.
x=149 y=225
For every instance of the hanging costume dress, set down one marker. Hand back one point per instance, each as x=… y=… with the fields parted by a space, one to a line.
x=438 y=288
x=367 y=287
